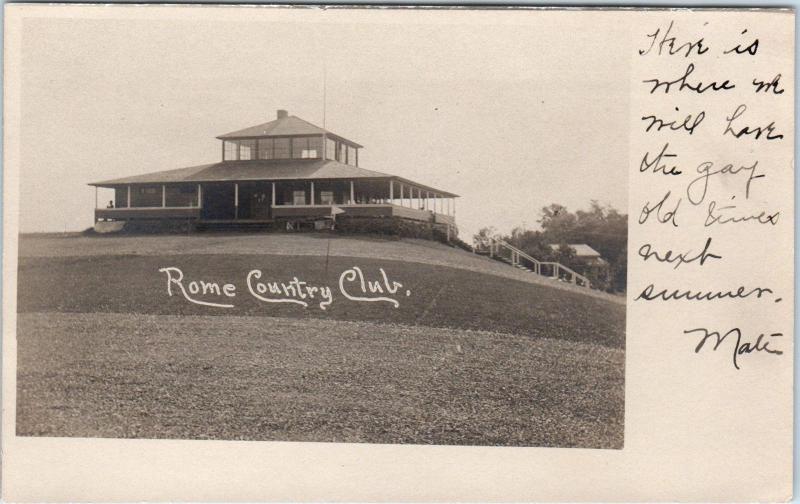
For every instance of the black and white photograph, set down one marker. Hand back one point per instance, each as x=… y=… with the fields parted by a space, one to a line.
x=264 y=229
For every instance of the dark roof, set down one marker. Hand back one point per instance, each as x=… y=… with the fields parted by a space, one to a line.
x=289 y=169
x=285 y=126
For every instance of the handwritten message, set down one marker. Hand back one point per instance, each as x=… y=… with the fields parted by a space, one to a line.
x=712 y=143
x=353 y=284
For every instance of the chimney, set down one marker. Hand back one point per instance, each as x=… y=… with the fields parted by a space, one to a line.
x=283 y=114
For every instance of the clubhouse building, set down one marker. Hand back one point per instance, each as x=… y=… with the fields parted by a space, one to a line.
x=284 y=172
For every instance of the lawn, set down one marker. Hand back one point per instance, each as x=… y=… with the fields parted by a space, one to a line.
x=465 y=358
x=439 y=296
x=231 y=377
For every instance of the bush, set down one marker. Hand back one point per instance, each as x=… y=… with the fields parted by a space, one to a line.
x=395 y=226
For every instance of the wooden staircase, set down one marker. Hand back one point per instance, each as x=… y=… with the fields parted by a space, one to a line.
x=501 y=250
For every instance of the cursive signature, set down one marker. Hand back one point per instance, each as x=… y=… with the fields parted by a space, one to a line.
x=761 y=344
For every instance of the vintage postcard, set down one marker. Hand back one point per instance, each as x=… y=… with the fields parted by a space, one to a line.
x=322 y=253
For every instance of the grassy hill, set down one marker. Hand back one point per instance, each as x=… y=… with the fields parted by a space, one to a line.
x=475 y=352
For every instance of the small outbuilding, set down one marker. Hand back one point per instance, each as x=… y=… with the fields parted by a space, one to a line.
x=584 y=253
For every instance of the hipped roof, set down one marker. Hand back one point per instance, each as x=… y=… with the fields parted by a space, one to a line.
x=581 y=249
x=284 y=126
x=241 y=171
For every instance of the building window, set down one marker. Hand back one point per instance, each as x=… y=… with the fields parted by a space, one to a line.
x=120 y=197
x=181 y=196
x=298 y=197
x=247 y=149
x=266 y=148
x=298 y=147
x=230 y=151
x=326 y=197
x=146 y=196
x=306 y=147
x=330 y=149
x=281 y=149
x=315 y=146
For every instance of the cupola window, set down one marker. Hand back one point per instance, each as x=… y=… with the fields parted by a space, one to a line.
x=306 y=147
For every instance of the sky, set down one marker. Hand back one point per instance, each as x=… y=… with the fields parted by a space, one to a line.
x=510 y=110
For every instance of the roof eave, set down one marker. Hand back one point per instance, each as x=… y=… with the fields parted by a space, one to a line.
x=424 y=187
x=113 y=183
x=343 y=139
x=329 y=135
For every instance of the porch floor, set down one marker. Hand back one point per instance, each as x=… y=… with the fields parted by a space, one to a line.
x=235 y=221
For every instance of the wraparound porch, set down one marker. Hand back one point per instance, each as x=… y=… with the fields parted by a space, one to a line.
x=267 y=201
x=279 y=212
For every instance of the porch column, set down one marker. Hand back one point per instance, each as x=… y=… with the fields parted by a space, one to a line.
x=199 y=196
x=352 y=193
x=391 y=191
x=428 y=201
x=454 y=207
x=273 y=194
x=236 y=200
x=401 y=195
x=312 y=193
x=129 y=196
x=163 y=196
x=448 y=206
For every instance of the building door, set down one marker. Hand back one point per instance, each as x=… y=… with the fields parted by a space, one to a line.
x=255 y=199
x=218 y=202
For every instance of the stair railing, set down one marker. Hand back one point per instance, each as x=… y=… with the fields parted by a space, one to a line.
x=493 y=245
x=517 y=254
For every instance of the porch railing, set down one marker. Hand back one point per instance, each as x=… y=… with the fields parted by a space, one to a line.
x=147 y=213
